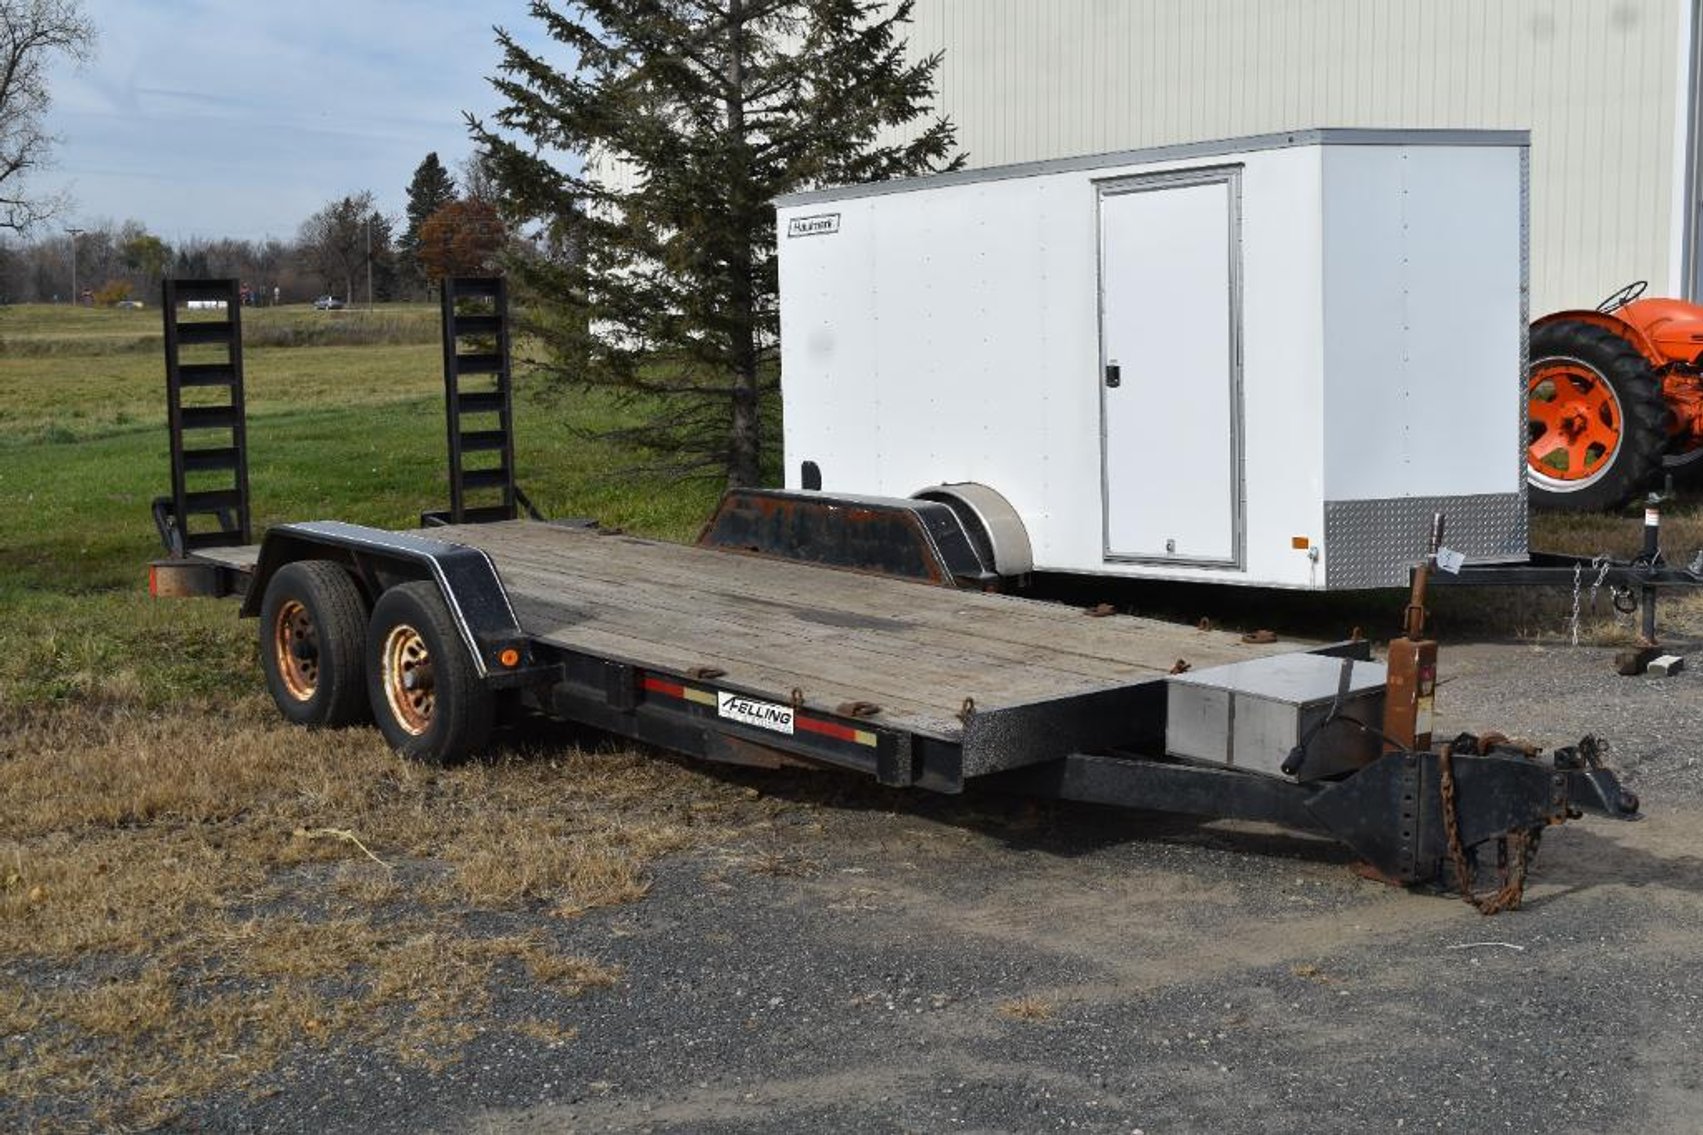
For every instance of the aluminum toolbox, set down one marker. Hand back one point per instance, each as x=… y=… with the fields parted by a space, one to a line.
x=1250 y=715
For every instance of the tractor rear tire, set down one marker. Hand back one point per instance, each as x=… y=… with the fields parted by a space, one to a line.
x=1597 y=425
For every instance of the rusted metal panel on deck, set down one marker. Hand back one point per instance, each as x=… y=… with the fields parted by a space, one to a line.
x=907 y=539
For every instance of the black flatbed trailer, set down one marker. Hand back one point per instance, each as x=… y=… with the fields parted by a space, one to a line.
x=752 y=660
x=970 y=683
x=804 y=628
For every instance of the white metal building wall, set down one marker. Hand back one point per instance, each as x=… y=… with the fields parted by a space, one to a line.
x=1601 y=84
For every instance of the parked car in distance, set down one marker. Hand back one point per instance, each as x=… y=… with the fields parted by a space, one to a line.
x=328 y=303
x=130 y=305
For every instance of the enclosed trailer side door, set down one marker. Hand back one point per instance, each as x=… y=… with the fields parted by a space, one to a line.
x=1170 y=383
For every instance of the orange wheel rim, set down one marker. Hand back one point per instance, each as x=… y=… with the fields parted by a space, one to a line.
x=407 y=677
x=1574 y=423
x=295 y=648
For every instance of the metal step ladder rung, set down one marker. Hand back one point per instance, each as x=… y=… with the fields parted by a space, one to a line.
x=207 y=417
x=481 y=402
x=201 y=332
x=211 y=500
x=475 y=287
x=479 y=364
x=210 y=460
x=213 y=290
x=467 y=326
x=485 y=514
x=485 y=478
x=206 y=374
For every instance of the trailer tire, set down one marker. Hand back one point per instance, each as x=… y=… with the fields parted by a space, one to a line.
x=312 y=634
x=1597 y=425
x=429 y=701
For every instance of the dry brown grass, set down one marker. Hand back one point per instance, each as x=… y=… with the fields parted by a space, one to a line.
x=189 y=895
x=1621 y=535
x=1026 y=1009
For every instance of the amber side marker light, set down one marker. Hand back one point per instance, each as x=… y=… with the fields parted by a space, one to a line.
x=1300 y=543
x=509 y=657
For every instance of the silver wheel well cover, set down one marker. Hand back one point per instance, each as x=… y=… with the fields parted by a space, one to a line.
x=999 y=524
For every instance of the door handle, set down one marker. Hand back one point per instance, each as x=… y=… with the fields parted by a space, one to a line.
x=1114 y=375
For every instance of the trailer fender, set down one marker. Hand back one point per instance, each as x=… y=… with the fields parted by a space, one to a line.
x=991 y=523
x=465 y=577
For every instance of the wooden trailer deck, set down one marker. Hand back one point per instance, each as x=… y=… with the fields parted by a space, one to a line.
x=774 y=626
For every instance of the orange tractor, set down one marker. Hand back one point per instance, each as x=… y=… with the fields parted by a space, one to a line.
x=1614 y=399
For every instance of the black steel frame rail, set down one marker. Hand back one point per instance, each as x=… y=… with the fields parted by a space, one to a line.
x=1550 y=569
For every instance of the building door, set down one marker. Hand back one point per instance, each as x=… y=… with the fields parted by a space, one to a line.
x=1170 y=382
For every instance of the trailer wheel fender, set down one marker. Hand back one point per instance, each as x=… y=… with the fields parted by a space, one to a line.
x=430 y=702
x=466 y=581
x=991 y=523
x=313 y=622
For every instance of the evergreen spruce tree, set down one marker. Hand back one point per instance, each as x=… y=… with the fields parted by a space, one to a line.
x=657 y=273
x=430 y=189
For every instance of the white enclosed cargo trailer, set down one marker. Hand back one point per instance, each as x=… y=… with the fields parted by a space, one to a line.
x=1265 y=361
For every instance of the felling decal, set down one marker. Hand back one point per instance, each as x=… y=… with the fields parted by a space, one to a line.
x=750 y=711
x=773 y=716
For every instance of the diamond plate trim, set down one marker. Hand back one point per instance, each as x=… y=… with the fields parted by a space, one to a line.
x=1375 y=543
x=1524 y=439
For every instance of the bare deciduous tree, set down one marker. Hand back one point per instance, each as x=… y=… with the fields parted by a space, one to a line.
x=340 y=240
x=32 y=34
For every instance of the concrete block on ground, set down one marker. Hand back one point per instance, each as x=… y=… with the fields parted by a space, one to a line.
x=1666 y=666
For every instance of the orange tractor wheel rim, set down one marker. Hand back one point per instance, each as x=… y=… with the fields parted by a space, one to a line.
x=1574 y=419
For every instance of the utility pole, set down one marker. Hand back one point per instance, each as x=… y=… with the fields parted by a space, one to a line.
x=369 y=261
x=75 y=233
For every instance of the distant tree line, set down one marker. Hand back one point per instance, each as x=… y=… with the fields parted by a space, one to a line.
x=447 y=229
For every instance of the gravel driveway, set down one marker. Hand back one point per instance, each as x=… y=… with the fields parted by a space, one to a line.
x=890 y=962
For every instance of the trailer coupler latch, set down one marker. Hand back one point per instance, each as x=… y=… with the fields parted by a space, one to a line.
x=1592 y=785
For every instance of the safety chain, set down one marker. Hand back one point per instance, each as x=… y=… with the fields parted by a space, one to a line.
x=1578 y=574
x=1513 y=851
x=1601 y=563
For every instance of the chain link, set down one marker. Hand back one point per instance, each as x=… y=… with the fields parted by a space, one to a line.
x=1601 y=563
x=1513 y=851
x=1578 y=574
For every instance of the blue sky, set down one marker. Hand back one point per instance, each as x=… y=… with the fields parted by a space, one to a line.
x=227 y=118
